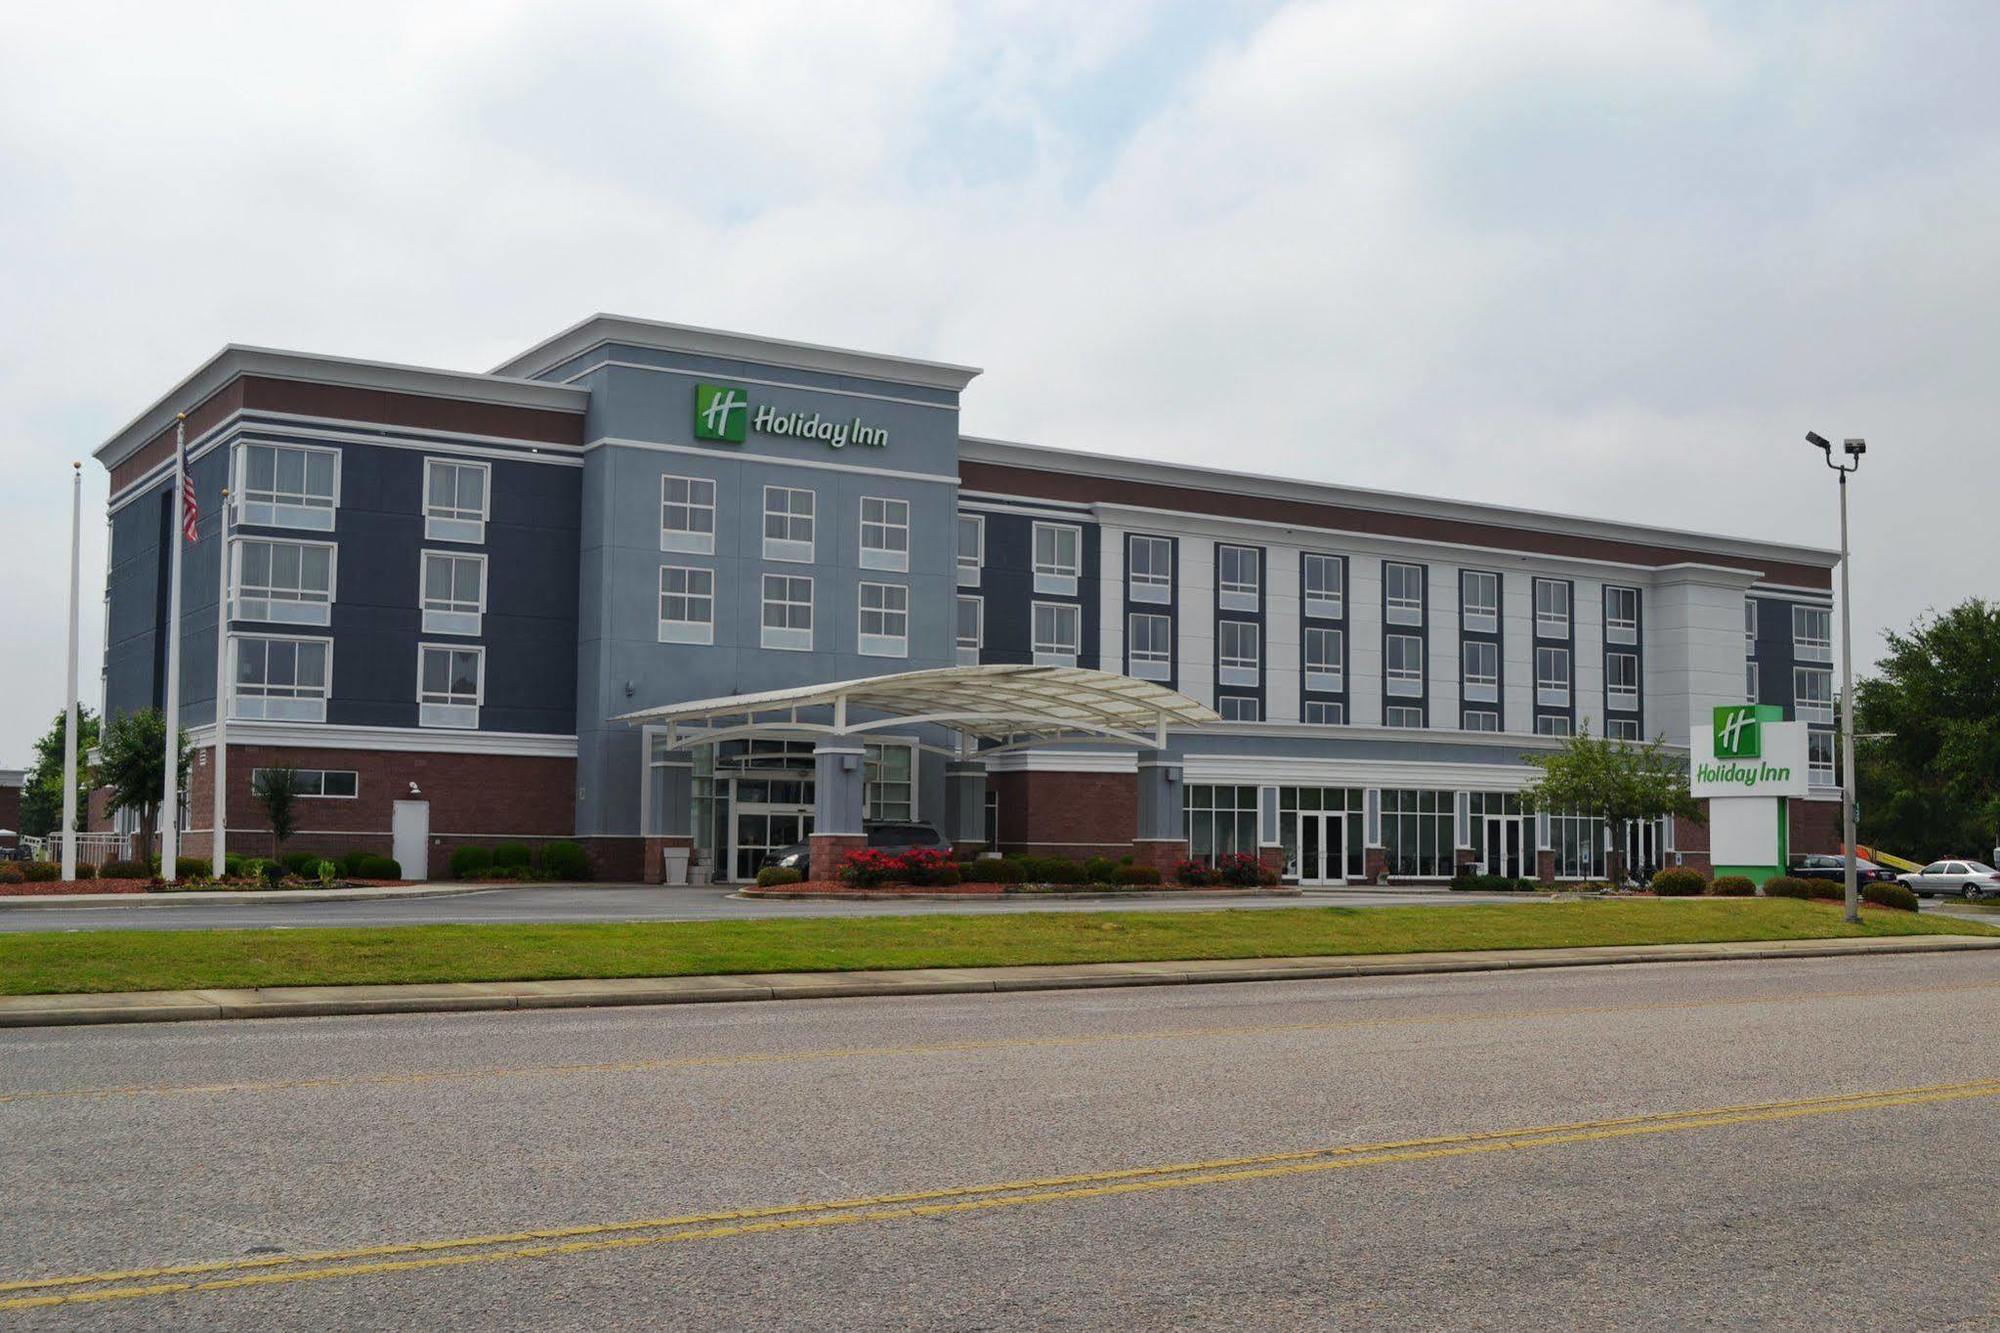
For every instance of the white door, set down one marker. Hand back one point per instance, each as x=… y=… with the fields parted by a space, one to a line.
x=412 y=830
x=1322 y=849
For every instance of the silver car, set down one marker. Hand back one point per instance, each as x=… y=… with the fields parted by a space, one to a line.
x=1971 y=880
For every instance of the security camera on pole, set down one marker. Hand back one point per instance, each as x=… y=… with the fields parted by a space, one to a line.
x=1853 y=448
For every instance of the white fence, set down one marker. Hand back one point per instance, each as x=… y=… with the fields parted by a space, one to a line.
x=93 y=848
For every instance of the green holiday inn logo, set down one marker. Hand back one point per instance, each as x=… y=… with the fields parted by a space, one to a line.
x=721 y=412
x=1739 y=730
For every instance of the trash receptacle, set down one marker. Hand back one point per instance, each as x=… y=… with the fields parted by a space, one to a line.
x=674 y=867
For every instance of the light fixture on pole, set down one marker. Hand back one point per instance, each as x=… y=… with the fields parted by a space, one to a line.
x=1853 y=449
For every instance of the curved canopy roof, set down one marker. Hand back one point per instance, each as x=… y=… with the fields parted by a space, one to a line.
x=1002 y=705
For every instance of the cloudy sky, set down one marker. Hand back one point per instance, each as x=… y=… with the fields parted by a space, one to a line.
x=1610 y=257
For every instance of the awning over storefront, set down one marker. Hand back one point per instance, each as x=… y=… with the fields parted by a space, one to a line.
x=996 y=707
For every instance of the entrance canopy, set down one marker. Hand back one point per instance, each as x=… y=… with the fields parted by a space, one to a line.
x=1001 y=706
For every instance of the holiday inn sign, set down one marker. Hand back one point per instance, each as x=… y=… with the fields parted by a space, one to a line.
x=724 y=413
x=1748 y=750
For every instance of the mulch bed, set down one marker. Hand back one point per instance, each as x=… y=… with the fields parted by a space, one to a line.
x=58 y=887
x=833 y=888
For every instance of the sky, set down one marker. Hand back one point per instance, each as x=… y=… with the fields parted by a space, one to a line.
x=1604 y=258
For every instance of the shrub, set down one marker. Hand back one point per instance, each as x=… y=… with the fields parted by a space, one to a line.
x=1785 y=886
x=41 y=872
x=565 y=860
x=380 y=867
x=124 y=870
x=1051 y=870
x=1242 y=870
x=1679 y=882
x=303 y=864
x=1100 y=870
x=250 y=867
x=771 y=877
x=1195 y=875
x=1888 y=895
x=324 y=872
x=274 y=872
x=466 y=862
x=85 y=870
x=1732 y=886
x=510 y=854
x=1137 y=875
x=991 y=871
x=10 y=873
x=350 y=864
x=917 y=865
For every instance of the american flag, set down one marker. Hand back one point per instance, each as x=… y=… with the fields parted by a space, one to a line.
x=190 y=511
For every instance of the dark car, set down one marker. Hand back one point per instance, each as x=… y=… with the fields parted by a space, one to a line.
x=889 y=836
x=1835 y=868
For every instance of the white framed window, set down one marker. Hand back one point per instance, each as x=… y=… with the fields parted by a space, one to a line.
x=1812 y=694
x=687 y=604
x=1058 y=557
x=1621 y=682
x=1149 y=645
x=1058 y=633
x=1812 y=634
x=1149 y=570
x=1749 y=625
x=1482 y=671
x=788 y=612
x=971 y=629
x=1402 y=593
x=1479 y=600
x=1552 y=677
x=452 y=592
x=1552 y=724
x=331 y=784
x=1482 y=719
x=1621 y=728
x=1239 y=708
x=1750 y=681
x=1323 y=583
x=885 y=620
x=788 y=523
x=1820 y=770
x=287 y=583
x=687 y=515
x=288 y=485
x=1325 y=655
x=885 y=534
x=1403 y=665
x=888 y=780
x=1402 y=715
x=457 y=500
x=279 y=679
x=971 y=549
x=1325 y=713
x=1238 y=652
x=451 y=685
x=1551 y=609
x=1237 y=577
x=1621 y=615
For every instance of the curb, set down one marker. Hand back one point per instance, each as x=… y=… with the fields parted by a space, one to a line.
x=29 y=902
x=1037 y=895
x=25 y=1011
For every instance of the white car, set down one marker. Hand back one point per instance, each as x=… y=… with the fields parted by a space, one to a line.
x=1970 y=880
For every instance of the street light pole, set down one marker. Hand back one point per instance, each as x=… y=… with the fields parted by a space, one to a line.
x=1853 y=448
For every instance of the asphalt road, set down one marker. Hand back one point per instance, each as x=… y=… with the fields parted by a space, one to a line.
x=555 y=903
x=1803 y=1144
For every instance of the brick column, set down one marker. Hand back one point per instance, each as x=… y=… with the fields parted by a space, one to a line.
x=1374 y=865
x=1545 y=866
x=839 y=803
x=1162 y=842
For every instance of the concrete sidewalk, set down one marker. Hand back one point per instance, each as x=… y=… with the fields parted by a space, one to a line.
x=187 y=897
x=320 y=1001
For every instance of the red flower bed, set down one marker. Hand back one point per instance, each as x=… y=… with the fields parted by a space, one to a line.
x=51 y=887
x=918 y=867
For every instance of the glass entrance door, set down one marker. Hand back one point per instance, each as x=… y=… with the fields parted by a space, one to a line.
x=1322 y=848
x=766 y=815
x=1506 y=836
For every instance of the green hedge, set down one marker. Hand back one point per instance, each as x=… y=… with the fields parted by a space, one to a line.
x=1679 y=882
x=1138 y=875
x=124 y=870
x=379 y=867
x=509 y=855
x=1786 y=886
x=1887 y=895
x=1469 y=883
x=41 y=872
x=470 y=862
x=565 y=860
x=1732 y=886
x=771 y=877
x=991 y=871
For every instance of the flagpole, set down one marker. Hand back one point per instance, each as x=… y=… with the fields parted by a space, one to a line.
x=69 y=717
x=170 y=808
x=219 y=802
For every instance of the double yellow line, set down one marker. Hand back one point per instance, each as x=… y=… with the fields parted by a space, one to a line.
x=506 y=1247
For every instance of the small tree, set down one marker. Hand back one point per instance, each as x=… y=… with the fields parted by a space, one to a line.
x=132 y=763
x=42 y=787
x=277 y=790
x=1615 y=781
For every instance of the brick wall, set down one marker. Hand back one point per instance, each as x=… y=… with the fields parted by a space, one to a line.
x=1815 y=827
x=10 y=812
x=1691 y=843
x=1067 y=814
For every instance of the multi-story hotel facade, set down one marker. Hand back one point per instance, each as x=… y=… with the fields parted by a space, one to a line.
x=447 y=594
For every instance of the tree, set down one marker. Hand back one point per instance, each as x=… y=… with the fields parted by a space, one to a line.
x=1930 y=786
x=132 y=763
x=277 y=790
x=1616 y=781
x=42 y=788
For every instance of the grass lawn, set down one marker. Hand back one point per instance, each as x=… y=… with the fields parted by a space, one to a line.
x=33 y=964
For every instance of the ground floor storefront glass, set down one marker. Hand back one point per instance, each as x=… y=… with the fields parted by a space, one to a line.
x=1418 y=839
x=1320 y=828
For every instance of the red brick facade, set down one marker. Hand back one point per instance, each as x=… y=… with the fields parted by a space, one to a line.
x=10 y=812
x=1815 y=827
x=1067 y=814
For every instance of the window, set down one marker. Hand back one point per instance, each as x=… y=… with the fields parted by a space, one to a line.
x=971 y=629
x=1812 y=694
x=1418 y=833
x=687 y=604
x=455 y=500
x=1812 y=634
x=788 y=612
x=1551 y=609
x=1402 y=715
x=992 y=820
x=1552 y=677
x=285 y=486
x=1149 y=649
x=1149 y=570
x=1750 y=681
x=451 y=684
x=1237 y=644
x=1621 y=615
x=1819 y=759
x=1479 y=601
x=1058 y=633
x=1621 y=728
x=1236 y=577
x=885 y=533
x=1221 y=820
x=1403 y=593
x=788 y=523
x=1058 y=557
x=290 y=583
x=1482 y=671
x=453 y=592
x=1578 y=842
x=1482 y=719
x=971 y=549
x=328 y=783
x=1552 y=724
x=1325 y=580
x=1749 y=625
x=885 y=620
x=1324 y=654
x=687 y=515
x=281 y=680
x=1403 y=665
x=1321 y=713
x=888 y=782
x=1621 y=681
x=1239 y=708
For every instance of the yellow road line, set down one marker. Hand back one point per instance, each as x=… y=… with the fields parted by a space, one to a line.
x=423 y=1255
x=753 y=1058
